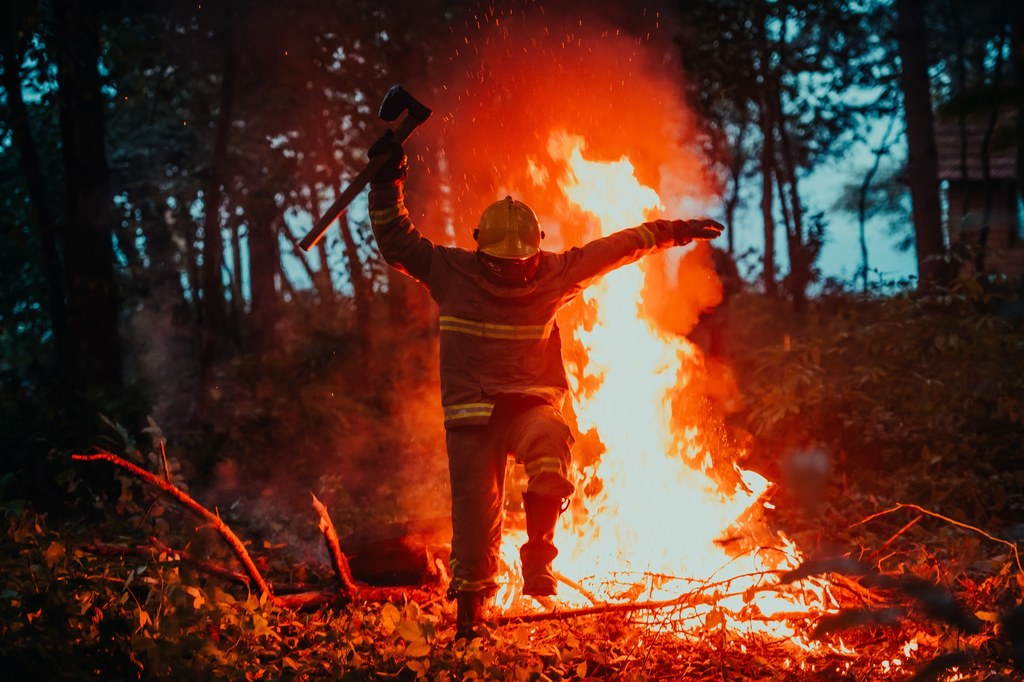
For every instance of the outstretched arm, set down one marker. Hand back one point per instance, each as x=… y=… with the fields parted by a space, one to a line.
x=401 y=244
x=685 y=231
x=603 y=255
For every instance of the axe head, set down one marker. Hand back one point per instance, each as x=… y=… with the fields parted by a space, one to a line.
x=398 y=100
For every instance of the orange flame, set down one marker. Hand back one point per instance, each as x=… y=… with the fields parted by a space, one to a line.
x=585 y=120
x=655 y=505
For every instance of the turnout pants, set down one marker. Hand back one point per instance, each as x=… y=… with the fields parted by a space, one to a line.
x=536 y=435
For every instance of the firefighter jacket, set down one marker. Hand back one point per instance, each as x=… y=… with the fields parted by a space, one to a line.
x=498 y=340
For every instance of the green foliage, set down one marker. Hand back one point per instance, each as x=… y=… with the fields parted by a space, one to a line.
x=884 y=384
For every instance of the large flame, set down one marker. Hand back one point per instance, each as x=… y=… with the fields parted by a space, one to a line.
x=582 y=116
x=655 y=518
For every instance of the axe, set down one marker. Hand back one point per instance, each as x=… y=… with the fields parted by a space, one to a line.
x=395 y=102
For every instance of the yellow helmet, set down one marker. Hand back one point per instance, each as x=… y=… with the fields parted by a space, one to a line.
x=508 y=229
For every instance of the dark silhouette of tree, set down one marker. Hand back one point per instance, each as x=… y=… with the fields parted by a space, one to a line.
x=94 y=342
x=922 y=167
x=213 y=304
x=12 y=46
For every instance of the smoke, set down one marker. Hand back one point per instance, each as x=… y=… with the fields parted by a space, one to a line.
x=521 y=75
x=678 y=291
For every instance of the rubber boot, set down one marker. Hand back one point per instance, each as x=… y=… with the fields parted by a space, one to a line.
x=538 y=552
x=469 y=614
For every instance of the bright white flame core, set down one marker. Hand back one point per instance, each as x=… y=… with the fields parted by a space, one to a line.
x=650 y=531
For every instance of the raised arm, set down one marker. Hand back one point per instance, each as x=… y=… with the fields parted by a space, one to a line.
x=585 y=263
x=398 y=240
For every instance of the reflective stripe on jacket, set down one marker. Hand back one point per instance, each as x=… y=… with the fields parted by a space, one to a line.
x=498 y=340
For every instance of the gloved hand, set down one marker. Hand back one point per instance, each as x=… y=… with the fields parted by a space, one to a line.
x=397 y=167
x=699 y=228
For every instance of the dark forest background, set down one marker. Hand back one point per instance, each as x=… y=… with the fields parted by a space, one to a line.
x=161 y=160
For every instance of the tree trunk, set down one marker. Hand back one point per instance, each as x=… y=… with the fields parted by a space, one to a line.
x=862 y=202
x=94 y=341
x=960 y=72
x=321 y=277
x=986 y=158
x=324 y=285
x=767 y=162
x=237 y=295
x=315 y=276
x=923 y=164
x=39 y=206
x=1017 y=60
x=801 y=255
x=263 y=215
x=212 y=302
x=736 y=176
x=796 y=212
x=360 y=289
x=766 y=208
x=192 y=259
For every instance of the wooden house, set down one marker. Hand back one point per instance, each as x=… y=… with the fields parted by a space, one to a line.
x=972 y=192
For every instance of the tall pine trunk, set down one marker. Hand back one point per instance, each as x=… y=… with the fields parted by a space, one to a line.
x=799 y=246
x=736 y=165
x=360 y=289
x=212 y=302
x=767 y=158
x=986 y=159
x=1017 y=69
x=923 y=164
x=94 y=341
x=767 y=203
x=263 y=217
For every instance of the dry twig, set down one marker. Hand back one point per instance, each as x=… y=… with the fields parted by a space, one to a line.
x=338 y=559
x=960 y=524
x=885 y=545
x=351 y=591
x=691 y=598
x=180 y=496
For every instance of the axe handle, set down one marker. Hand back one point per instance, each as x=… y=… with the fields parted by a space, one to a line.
x=402 y=133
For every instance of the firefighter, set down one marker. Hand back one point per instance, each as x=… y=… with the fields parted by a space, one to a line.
x=502 y=377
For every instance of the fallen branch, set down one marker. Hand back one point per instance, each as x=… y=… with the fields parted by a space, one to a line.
x=692 y=598
x=180 y=496
x=598 y=609
x=960 y=524
x=630 y=607
x=203 y=565
x=351 y=591
x=578 y=587
x=157 y=547
x=338 y=559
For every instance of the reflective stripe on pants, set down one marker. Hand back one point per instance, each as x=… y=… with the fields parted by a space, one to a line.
x=536 y=434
